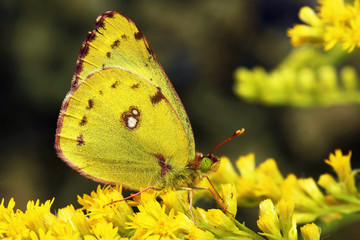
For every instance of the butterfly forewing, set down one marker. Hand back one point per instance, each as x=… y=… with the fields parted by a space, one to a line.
x=117 y=42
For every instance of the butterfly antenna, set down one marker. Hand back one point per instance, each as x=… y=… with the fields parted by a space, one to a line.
x=237 y=133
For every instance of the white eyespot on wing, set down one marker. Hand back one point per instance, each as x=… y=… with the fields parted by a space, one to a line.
x=131 y=122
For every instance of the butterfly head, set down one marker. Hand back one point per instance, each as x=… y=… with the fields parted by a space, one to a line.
x=210 y=163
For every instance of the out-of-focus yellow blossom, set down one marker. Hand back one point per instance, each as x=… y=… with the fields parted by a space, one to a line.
x=310 y=77
x=311 y=33
x=257 y=183
x=336 y=21
x=309 y=202
x=254 y=183
x=310 y=232
x=225 y=173
x=305 y=78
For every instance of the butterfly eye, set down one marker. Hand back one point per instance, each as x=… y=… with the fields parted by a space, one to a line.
x=205 y=164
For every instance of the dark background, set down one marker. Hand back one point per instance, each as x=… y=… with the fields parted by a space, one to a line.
x=199 y=44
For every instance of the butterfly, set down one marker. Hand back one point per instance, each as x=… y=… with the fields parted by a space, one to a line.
x=122 y=121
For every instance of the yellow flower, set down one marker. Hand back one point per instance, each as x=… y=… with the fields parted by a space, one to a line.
x=301 y=33
x=153 y=222
x=268 y=220
x=341 y=165
x=75 y=219
x=175 y=199
x=336 y=21
x=287 y=221
x=254 y=184
x=331 y=186
x=100 y=205
x=6 y=216
x=103 y=230
x=310 y=232
x=228 y=195
x=278 y=222
x=217 y=222
x=309 y=200
x=225 y=173
x=38 y=216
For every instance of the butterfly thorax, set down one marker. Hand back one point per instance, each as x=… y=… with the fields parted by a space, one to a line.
x=194 y=171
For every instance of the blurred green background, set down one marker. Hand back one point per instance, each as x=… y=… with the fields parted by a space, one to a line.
x=199 y=44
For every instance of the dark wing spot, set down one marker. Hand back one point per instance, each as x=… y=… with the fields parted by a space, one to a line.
x=90 y=104
x=115 y=84
x=108 y=54
x=103 y=66
x=157 y=97
x=164 y=167
x=100 y=20
x=146 y=65
x=124 y=36
x=135 y=86
x=83 y=121
x=115 y=44
x=138 y=35
x=101 y=92
x=97 y=29
x=80 y=140
x=150 y=51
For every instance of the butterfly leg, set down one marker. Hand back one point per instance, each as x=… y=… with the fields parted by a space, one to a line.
x=216 y=198
x=133 y=195
x=191 y=206
x=217 y=193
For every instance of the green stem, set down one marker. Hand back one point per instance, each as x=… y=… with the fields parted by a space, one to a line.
x=242 y=227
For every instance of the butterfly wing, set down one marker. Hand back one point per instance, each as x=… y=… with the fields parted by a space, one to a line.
x=122 y=121
x=117 y=127
x=117 y=42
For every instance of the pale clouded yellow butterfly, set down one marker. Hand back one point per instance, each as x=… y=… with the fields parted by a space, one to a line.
x=122 y=121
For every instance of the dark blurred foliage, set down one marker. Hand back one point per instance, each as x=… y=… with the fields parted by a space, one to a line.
x=199 y=44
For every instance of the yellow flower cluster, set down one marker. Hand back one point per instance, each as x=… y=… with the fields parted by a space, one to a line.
x=168 y=219
x=255 y=184
x=336 y=21
x=283 y=203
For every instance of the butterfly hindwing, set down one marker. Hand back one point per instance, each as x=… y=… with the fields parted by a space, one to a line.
x=117 y=127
